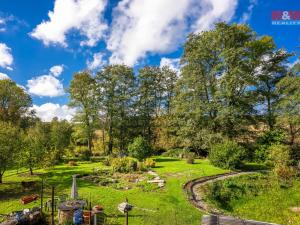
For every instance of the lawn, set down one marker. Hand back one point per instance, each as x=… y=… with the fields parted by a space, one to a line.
x=257 y=197
x=170 y=203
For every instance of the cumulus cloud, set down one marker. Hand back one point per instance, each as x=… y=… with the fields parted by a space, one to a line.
x=6 y=58
x=56 y=70
x=4 y=76
x=154 y=26
x=47 y=85
x=85 y=16
x=48 y=111
x=97 y=61
x=173 y=64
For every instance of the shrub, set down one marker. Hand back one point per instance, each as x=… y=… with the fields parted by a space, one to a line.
x=280 y=159
x=124 y=165
x=190 y=158
x=265 y=141
x=72 y=163
x=228 y=155
x=141 y=166
x=107 y=161
x=83 y=152
x=139 y=148
x=149 y=163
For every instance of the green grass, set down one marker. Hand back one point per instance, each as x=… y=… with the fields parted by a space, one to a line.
x=170 y=203
x=257 y=197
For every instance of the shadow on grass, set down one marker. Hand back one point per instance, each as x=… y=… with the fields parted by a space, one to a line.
x=166 y=159
x=254 y=167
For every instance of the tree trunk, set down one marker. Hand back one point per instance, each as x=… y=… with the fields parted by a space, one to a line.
x=110 y=142
x=31 y=170
x=1 y=174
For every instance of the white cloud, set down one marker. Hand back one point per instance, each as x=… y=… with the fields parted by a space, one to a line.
x=4 y=76
x=247 y=15
x=85 y=16
x=209 y=12
x=173 y=64
x=97 y=61
x=56 y=70
x=48 y=111
x=6 y=58
x=45 y=85
x=155 y=26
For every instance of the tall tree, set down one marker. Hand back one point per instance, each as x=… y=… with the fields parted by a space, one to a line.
x=36 y=147
x=9 y=146
x=269 y=71
x=83 y=97
x=14 y=101
x=116 y=88
x=60 y=135
x=288 y=106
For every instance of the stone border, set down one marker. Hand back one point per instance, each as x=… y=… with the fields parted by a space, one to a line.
x=196 y=199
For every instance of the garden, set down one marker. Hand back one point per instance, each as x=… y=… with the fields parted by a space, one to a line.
x=138 y=136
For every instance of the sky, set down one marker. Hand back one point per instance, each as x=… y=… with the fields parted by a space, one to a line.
x=43 y=43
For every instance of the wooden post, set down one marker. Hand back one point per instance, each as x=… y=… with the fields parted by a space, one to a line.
x=90 y=209
x=52 y=206
x=42 y=193
x=126 y=213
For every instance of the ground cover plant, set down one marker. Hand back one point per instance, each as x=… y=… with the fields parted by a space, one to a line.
x=258 y=197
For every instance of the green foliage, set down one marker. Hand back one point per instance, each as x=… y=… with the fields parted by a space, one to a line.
x=14 y=102
x=149 y=163
x=190 y=158
x=124 y=164
x=139 y=148
x=265 y=141
x=279 y=155
x=84 y=152
x=10 y=143
x=223 y=193
x=228 y=155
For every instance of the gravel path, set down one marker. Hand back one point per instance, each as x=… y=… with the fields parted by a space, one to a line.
x=195 y=197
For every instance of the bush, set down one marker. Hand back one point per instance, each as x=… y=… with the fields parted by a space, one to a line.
x=149 y=163
x=190 y=158
x=83 y=152
x=124 y=165
x=72 y=163
x=280 y=159
x=228 y=155
x=139 y=148
x=107 y=161
x=141 y=166
x=265 y=141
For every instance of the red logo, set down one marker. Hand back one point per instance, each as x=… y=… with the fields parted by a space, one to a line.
x=286 y=15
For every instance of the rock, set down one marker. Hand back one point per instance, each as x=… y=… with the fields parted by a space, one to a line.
x=160 y=185
x=295 y=209
x=156 y=181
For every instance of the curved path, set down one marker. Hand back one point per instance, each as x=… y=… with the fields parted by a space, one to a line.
x=195 y=197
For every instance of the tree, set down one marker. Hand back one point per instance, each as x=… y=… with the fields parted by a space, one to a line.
x=9 y=146
x=83 y=97
x=216 y=90
x=36 y=147
x=269 y=71
x=139 y=148
x=116 y=89
x=288 y=106
x=60 y=135
x=14 y=101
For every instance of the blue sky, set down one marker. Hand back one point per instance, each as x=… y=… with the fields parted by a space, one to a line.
x=43 y=43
